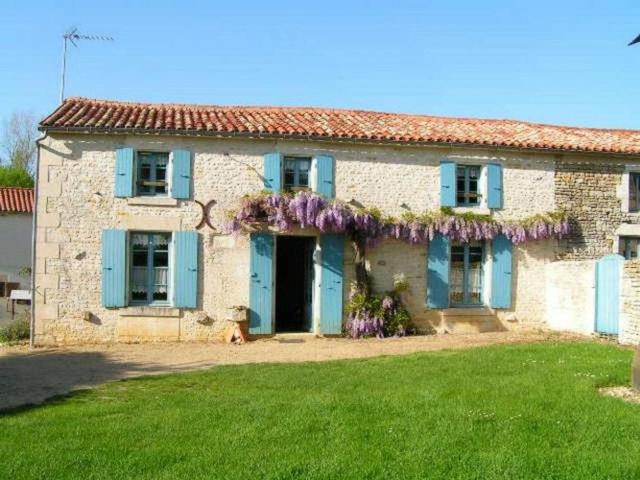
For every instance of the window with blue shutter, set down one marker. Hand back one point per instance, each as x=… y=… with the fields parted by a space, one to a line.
x=468 y=185
x=149 y=268
x=114 y=255
x=501 y=277
x=124 y=172
x=494 y=185
x=296 y=173
x=273 y=171
x=181 y=174
x=466 y=273
x=151 y=168
x=438 y=272
x=447 y=184
x=186 y=269
x=325 y=181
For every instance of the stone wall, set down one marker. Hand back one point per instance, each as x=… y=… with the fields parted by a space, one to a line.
x=76 y=203
x=630 y=303
x=589 y=189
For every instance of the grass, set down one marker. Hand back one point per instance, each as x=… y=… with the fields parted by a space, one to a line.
x=520 y=411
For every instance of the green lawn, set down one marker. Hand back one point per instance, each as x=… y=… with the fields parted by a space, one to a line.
x=521 y=411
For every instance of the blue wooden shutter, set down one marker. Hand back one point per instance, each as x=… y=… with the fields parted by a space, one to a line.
x=447 y=183
x=185 y=284
x=438 y=272
x=325 y=176
x=181 y=176
x=331 y=283
x=124 y=172
x=114 y=258
x=501 y=272
x=261 y=286
x=273 y=171
x=494 y=185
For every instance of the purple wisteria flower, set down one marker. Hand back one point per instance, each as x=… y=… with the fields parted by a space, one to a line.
x=309 y=210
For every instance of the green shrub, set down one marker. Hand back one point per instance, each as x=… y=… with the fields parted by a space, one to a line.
x=11 y=176
x=17 y=330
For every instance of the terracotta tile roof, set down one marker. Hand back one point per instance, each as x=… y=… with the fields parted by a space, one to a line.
x=14 y=199
x=83 y=114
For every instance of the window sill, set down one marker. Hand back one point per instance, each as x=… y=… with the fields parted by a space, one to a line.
x=149 y=311
x=479 y=210
x=470 y=311
x=153 y=201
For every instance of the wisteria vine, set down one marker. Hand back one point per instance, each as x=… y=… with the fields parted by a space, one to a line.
x=310 y=210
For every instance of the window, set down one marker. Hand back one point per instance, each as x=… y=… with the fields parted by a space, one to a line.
x=628 y=247
x=634 y=191
x=466 y=274
x=149 y=277
x=467 y=185
x=296 y=173
x=152 y=173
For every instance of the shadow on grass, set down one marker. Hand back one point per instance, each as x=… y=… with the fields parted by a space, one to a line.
x=29 y=379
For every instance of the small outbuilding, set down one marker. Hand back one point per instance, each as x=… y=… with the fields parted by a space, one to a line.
x=16 y=224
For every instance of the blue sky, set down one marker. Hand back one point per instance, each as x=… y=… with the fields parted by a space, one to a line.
x=562 y=61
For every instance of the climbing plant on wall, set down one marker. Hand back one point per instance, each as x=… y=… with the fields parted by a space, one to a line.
x=310 y=210
x=368 y=226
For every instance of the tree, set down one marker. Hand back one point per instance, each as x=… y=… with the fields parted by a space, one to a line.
x=18 y=150
x=11 y=176
x=18 y=141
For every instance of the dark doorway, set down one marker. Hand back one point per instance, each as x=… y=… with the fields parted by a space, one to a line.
x=294 y=283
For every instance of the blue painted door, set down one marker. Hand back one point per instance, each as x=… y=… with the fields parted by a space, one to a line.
x=261 y=287
x=331 y=284
x=608 y=294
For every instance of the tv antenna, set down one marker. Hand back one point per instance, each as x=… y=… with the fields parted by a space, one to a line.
x=74 y=36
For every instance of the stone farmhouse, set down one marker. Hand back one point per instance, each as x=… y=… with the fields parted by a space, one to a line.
x=132 y=238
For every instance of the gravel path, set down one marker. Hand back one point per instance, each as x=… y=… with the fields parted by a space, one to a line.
x=30 y=376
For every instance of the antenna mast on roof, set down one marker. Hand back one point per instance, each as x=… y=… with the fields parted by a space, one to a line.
x=73 y=36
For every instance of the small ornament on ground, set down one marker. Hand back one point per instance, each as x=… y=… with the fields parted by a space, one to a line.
x=237 y=325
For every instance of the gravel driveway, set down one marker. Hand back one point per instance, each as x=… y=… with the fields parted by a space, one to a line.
x=30 y=376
